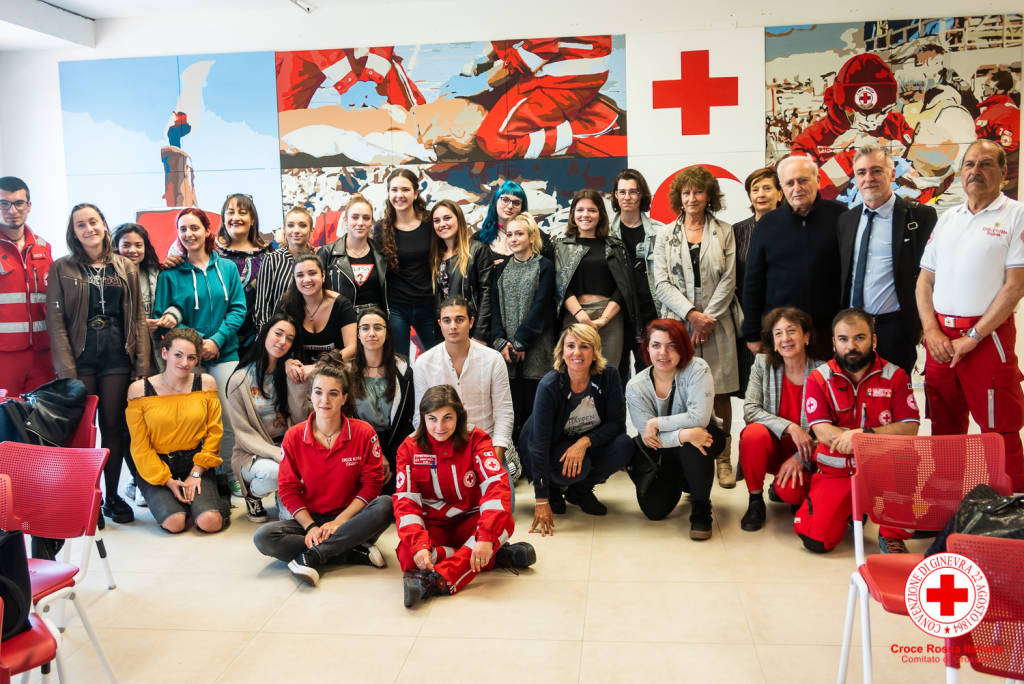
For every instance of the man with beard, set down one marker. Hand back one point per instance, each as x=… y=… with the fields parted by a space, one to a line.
x=857 y=391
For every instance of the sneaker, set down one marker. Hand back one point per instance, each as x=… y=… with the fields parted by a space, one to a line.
x=700 y=521
x=140 y=500
x=585 y=499
x=518 y=555
x=422 y=584
x=235 y=486
x=364 y=555
x=556 y=500
x=117 y=510
x=726 y=478
x=254 y=510
x=130 y=489
x=753 y=519
x=891 y=545
x=306 y=566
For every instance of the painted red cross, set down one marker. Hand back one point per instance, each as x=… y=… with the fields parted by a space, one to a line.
x=865 y=98
x=695 y=93
x=947 y=595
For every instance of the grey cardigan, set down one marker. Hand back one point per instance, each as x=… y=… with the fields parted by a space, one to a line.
x=692 y=405
x=764 y=392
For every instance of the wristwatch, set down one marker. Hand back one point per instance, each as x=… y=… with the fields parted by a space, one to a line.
x=196 y=474
x=973 y=334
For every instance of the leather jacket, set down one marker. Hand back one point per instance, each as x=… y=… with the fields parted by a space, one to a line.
x=49 y=415
x=474 y=285
x=340 y=277
x=568 y=255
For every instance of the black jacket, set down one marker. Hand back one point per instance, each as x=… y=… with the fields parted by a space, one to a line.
x=340 y=277
x=542 y=310
x=49 y=415
x=912 y=224
x=474 y=285
x=401 y=422
x=793 y=260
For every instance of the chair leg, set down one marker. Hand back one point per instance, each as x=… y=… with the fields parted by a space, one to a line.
x=844 y=653
x=92 y=637
x=44 y=672
x=865 y=630
x=102 y=549
x=951 y=675
x=60 y=667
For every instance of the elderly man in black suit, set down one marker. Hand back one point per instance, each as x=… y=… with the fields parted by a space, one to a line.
x=880 y=247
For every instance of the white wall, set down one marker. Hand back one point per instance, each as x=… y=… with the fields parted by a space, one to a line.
x=31 y=143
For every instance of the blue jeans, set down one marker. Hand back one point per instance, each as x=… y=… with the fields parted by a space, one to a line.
x=403 y=316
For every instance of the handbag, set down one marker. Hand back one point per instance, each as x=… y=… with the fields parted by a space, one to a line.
x=15 y=586
x=984 y=512
x=643 y=468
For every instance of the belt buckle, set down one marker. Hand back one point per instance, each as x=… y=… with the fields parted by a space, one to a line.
x=949 y=321
x=97 y=324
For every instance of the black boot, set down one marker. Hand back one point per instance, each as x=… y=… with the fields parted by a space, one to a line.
x=555 y=500
x=518 y=555
x=700 y=521
x=585 y=499
x=422 y=584
x=117 y=510
x=753 y=519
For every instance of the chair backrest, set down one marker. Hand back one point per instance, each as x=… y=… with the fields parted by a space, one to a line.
x=996 y=645
x=8 y=521
x=56 y=490
x=84 y=436
x=918 y=482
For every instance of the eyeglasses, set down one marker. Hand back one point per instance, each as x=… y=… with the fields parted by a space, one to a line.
x=17 y=204
x=510 y=201
x=627 y=193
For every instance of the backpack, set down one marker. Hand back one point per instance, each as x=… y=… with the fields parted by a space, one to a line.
x=986 y=512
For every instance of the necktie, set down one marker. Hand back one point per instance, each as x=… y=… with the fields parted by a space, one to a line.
x=860 y=266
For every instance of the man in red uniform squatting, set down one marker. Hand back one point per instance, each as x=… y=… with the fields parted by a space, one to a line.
x=452 y=502
x=972 y=276
x=24 y=266
x=857 y=391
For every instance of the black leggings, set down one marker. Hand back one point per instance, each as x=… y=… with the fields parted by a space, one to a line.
x=112 y=391
x=683 y=469
x=524 y=393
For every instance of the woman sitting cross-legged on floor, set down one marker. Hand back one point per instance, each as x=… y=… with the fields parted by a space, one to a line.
x=671 y=404
x=329 y=479
x=576 y=435
x=175 y=425
x=776 y=438
x=452 y=502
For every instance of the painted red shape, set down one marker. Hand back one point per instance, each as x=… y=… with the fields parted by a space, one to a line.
x=695 y=93
x=661 y=209
x=947 y=595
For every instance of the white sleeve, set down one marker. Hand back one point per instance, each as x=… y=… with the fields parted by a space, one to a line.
x=1015 y=252
x=501 y=403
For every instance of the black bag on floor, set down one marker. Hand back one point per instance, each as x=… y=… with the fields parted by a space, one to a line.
x=986 y=512
x=15 y=586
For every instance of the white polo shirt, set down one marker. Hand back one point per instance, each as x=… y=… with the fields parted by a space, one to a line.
x=969 y=254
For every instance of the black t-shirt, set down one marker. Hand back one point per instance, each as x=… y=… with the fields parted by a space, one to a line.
x=633 y=238
x=329 y=338
x=364 y=272
x=410 y=284
x=592 y=276
x=694 y=248
x=105 y=301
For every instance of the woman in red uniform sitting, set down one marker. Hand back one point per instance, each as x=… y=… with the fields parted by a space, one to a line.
x=452 y=503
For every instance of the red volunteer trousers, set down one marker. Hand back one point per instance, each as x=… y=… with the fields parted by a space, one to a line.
x=761 y=452
x=985 y=383
x=451 y=553
x=24 y=371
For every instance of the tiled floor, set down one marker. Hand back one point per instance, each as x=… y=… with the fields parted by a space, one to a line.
x=612 y=599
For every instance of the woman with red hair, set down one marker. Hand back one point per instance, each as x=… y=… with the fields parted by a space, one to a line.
x=204 y=292
x=671 y=404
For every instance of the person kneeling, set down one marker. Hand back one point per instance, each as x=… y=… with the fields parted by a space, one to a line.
x=671 y=405
x=452 y=502
x=330 y=480
x=857 y=391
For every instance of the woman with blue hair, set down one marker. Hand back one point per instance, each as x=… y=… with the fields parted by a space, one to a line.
x=507 y=203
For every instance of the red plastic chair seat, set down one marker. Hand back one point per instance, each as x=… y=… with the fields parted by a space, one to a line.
x=886 y=576
x=49 y=576
x=30 y=649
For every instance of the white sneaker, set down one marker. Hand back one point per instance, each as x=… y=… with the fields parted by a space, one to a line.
x=139 y=499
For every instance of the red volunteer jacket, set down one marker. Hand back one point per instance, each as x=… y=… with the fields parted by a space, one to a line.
x=445 y=486
x=326 y=480
x=23 y=294
x=883 y=396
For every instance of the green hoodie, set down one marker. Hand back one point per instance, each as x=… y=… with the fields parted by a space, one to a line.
x=212 y=303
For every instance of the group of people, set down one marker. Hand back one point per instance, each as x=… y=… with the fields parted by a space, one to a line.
x=288 y=370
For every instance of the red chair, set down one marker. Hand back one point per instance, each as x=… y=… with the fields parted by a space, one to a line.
x=996 y=645
x=913 y=483
x=56 y=495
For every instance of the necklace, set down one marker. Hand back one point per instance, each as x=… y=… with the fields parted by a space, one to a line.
x=329 y=439
x=96 y=278
x=311 y=316
x=174 y=390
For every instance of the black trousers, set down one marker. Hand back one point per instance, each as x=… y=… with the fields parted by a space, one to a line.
x=896 y=344
x=683 y=469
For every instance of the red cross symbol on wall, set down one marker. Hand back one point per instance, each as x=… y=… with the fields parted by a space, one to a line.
x=947 y=595
x=865 y=98
x=695 y=93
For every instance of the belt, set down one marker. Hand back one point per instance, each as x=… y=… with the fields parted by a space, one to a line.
x=958 y=322
x=100 y=322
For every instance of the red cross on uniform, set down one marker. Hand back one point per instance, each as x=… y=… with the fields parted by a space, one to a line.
x=695 y=93
x=947 y=595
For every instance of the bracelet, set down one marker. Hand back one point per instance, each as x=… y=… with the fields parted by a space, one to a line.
x=308 y=527
x=541 y=503
x=577 y=312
